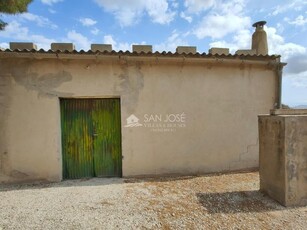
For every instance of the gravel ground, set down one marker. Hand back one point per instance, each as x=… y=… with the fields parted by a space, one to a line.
x=220 y=201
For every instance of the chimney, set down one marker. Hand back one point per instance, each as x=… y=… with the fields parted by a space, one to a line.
x=259 y=39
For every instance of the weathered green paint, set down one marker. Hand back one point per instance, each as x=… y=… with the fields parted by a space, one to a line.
x=91 y=138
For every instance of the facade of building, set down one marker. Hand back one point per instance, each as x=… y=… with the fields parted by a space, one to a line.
x=68 y=114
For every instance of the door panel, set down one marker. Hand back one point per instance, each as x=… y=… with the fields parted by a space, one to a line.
x=76 y=139
x=91 y=138
x=107 y=138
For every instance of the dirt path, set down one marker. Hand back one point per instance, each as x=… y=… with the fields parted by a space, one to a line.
x=226 y=201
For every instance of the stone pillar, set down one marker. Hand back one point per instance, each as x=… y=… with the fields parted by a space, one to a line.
x=283 y=156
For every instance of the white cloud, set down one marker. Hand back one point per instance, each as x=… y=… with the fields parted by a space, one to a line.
x=294 y=54
x=219 y=6
x=299 y=80
x=50 y=2
x=108 y=39
x=294 y=90
x=4 y=45
x=224 y=44
x=186 y=17
x=218 y=26
x=39 y=20
x=277 y=45
x=174 y=3
x=295 y=5
x=51 y=11
x=159 y=12
x=223 y=19
x=16 y=32
x=87 y=21
x=296 y=71
x=280 y=27
x=298 y=64
x=95 y=31
x=171 y=43
x=232 y=7
x=127 y=13
x=196 y=6
x=298 y=21
x=130 y=12
x=79 y=40
x=241 y=40
x=41 y=41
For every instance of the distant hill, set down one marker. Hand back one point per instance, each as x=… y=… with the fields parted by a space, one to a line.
x=300 y=107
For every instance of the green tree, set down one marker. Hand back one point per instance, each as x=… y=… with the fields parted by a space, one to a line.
x=12 y=7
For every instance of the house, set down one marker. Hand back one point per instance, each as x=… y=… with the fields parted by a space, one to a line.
x=132 y=121
x=63 y=112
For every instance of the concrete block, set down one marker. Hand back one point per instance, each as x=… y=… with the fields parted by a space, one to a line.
x=22 y=46
x=283 y=158
x=288 y=111
x=186 y=49
x=246 y=52
x=101 y=47
x=62 y=46
x=142 y=48
x=219 y=51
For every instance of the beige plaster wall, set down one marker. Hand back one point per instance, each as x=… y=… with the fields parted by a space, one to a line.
x=220 y=103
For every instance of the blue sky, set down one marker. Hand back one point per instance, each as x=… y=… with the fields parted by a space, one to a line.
x=166 y=24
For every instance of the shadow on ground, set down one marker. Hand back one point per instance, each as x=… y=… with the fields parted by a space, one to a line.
x=237 y=202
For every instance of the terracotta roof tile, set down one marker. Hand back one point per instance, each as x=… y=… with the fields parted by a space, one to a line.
x=149 y=54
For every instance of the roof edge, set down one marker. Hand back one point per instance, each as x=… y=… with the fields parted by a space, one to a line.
x=22 y=53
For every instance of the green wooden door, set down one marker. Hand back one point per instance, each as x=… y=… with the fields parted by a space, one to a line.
x=91 y=138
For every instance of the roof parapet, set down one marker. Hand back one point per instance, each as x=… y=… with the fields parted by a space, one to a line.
x=186 y=49
x=259 y=46
x=22 y=46
x=101 y=47
x=62 y=46
x=142 y=48
x=219 y=51
x=246 y=52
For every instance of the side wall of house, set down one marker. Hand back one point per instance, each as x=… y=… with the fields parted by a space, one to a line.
x=216 y=107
